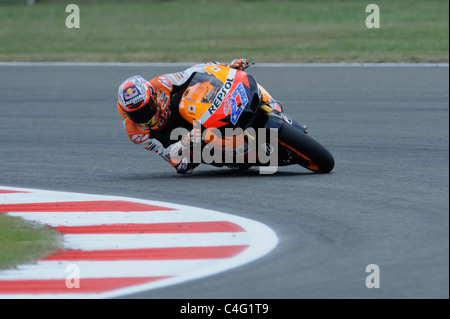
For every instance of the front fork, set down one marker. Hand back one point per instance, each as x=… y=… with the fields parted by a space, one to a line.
x=276 y=118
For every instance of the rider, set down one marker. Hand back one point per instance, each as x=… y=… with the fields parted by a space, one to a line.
x=150 y=112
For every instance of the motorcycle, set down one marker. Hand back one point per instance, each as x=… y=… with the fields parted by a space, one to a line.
x=243 y=126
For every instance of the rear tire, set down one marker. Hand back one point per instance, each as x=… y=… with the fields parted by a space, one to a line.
x=311 y=154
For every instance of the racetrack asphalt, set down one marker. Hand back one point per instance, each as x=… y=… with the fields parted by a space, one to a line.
x=385 y=203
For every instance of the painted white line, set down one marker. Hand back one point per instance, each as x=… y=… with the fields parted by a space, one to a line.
x=139 y=241
x=349 y=64
x=189 y=64
x=95 y=218
x=106 y=269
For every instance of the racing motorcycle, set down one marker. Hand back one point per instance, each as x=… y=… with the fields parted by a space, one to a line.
x=243 y=126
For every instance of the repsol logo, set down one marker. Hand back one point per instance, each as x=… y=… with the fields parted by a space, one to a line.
x=220 y=96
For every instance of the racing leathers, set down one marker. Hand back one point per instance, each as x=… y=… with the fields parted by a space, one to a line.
x=167 y=91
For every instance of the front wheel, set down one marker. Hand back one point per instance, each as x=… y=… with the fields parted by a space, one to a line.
x=306 y=151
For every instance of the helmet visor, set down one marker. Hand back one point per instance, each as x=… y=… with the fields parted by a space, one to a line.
x=143 y=115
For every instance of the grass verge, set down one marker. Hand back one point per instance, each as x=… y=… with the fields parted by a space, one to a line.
x=23 y=242
x=194 y=30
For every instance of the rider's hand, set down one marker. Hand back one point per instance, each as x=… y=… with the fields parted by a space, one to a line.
x=181 y=153
x=238 y=64
x=181 y=162
x=184 y=167
x=155 y=146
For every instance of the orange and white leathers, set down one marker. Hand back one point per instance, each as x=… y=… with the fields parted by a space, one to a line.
x=164 y=86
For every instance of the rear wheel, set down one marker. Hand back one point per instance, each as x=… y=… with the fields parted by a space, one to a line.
x=306 y=151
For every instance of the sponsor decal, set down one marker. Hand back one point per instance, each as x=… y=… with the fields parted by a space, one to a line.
x=164 y=80
x=191 y=108
x=134 y=101
x=130 y=93
x=286 y=118
x=178 y=75
x=215 y=69
x=162 y=99
x=139 y=138
x=267 y=148
x=224 y=90
x=237 y=102
x=132 y=96
x=220 y=96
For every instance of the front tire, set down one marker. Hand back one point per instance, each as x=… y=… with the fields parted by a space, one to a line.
x=309 y=153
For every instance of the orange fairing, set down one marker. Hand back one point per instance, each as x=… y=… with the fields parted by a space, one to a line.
x=225 y=142
x=265 y=96
x=268 y=99
x=196 y=100
x=210 y=99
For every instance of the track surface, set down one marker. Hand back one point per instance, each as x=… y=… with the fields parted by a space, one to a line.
x=385 y=203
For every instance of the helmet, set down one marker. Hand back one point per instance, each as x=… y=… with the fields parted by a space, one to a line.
x=135 y=100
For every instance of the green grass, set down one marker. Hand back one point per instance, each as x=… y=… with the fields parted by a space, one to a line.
x=24 y=242
x=262 y=31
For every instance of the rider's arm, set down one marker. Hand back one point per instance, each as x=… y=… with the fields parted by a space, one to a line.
x=179 y=80
x=137 y=133
x=180 y=154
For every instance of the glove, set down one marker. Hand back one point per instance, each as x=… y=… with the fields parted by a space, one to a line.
x=180 y=157
x=240 y=64
x=184 y=167
x=181 y=154
x=155 y=146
